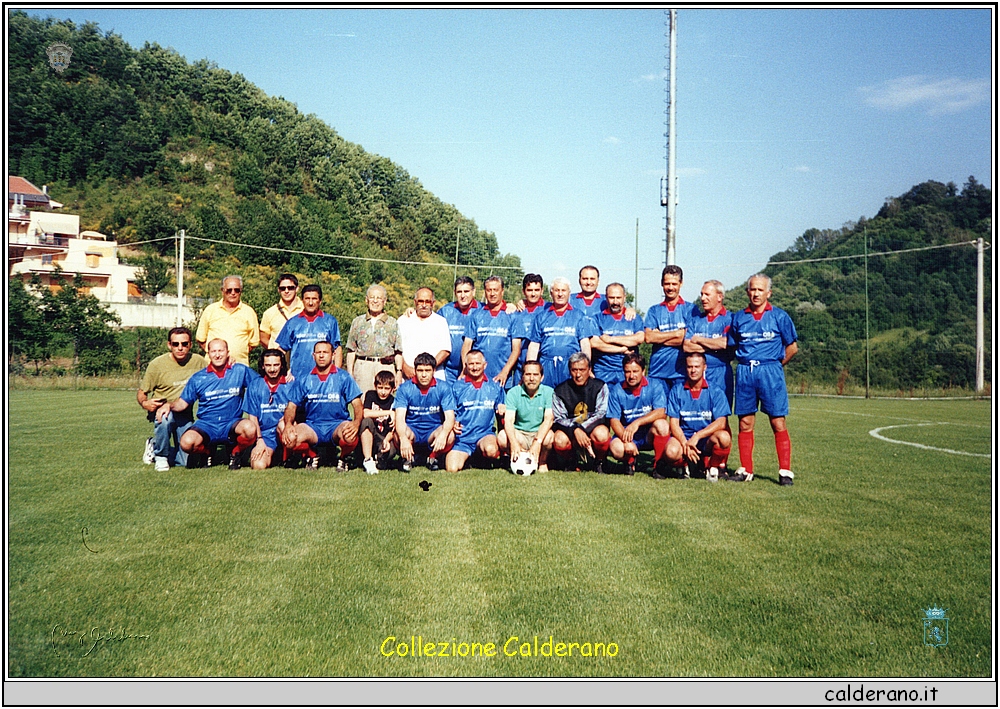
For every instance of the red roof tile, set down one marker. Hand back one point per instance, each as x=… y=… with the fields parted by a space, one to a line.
x=22 y=186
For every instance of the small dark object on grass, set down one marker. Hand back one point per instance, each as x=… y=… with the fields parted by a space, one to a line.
x=424 y=485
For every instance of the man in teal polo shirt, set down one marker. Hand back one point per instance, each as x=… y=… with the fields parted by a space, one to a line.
x=527 y=423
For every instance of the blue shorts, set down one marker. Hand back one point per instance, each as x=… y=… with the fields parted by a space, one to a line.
x=215 y=431
x=721 y=377
x=642 y=438
x=467 y=441
x=762 y=384
x=270 y=437
x=323 y=429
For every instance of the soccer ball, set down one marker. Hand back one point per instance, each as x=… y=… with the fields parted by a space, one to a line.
x=523 y=464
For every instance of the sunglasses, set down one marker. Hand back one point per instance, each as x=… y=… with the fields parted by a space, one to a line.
x=180 y=344
x=232 y=290
x=287 y=287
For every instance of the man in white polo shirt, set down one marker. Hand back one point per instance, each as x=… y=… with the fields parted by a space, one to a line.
x=424 y=331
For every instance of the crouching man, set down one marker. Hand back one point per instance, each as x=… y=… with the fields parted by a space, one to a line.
x=425 y=415
x=697 y=414
x=528 y=419
x=637 y=412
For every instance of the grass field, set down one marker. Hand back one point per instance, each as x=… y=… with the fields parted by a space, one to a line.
x=115 y=570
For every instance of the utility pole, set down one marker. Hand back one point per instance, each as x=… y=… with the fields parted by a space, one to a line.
x=980 y=352
x=180 y=282
x=669 y=198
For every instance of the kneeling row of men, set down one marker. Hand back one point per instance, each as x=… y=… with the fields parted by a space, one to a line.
x=577 y=424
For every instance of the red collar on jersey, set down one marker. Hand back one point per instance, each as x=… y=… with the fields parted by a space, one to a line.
x=679 y=301
x=478 y=383
x=588 y=300
x=532 y=308
x=323 y=377
x=473 y=305
x=619 y=316
x=220 y=373
x=501 y=307
x=638 y=389
x=696 y=391
x=711 y=318
x=312 y=318
x=424 y=391
x=274 y=387
x=558 y=313
x=758 y=316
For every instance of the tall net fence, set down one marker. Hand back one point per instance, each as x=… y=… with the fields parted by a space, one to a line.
x=887 y=323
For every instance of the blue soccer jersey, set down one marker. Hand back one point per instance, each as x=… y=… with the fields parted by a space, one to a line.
x=325 y=398
x=267 y=404
x=559 y=336
x=718 y=370
x=424 y=408
x=608 y=367
x=475 y=407
x=492 y=333
x=696 y=409
x=300 y=333
x=458 y=320
x=523 y=320
x=219 y=394
x=627 y=405
x=591 y=306
x=761 y=338
x=666 y=361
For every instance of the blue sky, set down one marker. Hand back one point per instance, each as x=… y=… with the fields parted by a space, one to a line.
x=546 y=126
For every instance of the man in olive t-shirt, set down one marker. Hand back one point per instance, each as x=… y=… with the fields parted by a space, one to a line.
x=163 y=382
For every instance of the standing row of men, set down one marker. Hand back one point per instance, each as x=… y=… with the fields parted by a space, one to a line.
x=600 y=328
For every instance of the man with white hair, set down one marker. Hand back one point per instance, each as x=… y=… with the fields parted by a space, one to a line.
x=373 y=342
x=232 y=320
x=559 y=331
x=765 y=341
x=708 y=334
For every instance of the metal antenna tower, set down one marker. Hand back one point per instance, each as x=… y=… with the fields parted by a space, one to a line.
x=668 y=185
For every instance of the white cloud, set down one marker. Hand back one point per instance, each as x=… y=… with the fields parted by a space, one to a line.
x=612 y=140
x=654 y=77
x=937 y=96
x=801 y=168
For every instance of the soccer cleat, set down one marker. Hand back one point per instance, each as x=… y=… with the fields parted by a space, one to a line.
x=208 y=460
x=657 y=475
x=599 y=466
x=432 y=463
x=741 y=476
x=342 y=465
x=148 y=452
x=370 y=467
x=312 y=462
x=234 y=462
x=712 y=475
x=407 y=466
x=630 y=468
x=162 y=464
x=786 y=477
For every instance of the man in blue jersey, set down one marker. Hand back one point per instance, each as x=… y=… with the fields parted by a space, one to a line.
x=458 y=313
x=765 y=341
x=425 y=415
x=589 y=299
x=264 y=405
x=697 y=411
x=559 y=331
x=218 y=389
x=490 y=329
x=617 y=335
x=478 y=400
x=325 y=393
x=530 y=305
x=666 y=323
x=637 y=413
x=708 y=334
x=303 y=331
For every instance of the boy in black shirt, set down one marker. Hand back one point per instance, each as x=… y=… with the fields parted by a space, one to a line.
x=377 y=423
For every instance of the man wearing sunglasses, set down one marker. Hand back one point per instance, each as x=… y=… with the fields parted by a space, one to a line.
x=231 y=320
x=163 y=382
x=288 y=306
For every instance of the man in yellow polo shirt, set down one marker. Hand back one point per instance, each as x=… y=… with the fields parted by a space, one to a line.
x=288 y=306
x=231 y=320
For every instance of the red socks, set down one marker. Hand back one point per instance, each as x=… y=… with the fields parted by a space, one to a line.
x=719 y=457
x=745 y=441
x=242 y=443
x=783 y=445
x=601 y=448
x=659 y=445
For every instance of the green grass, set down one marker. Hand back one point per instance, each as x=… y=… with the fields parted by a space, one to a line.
x=295 y=573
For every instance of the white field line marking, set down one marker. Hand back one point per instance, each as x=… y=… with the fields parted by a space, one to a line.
x=923 y=422
x=875 y=433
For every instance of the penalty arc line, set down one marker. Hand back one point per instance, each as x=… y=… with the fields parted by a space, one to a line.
x=876 y=433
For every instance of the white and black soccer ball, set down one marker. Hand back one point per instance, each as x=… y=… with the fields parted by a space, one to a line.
x=523 y=464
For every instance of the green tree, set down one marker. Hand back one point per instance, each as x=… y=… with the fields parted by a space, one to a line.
x=153 y=274
x=81 y=321
x=30 y=335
